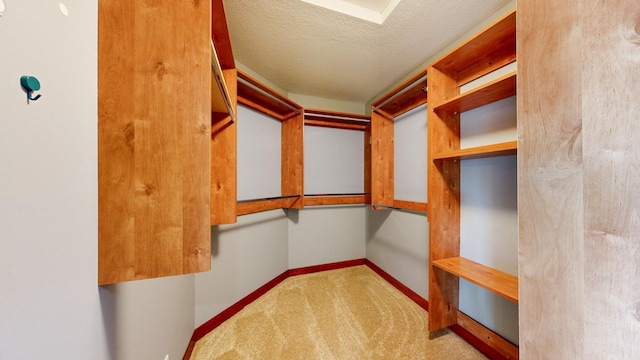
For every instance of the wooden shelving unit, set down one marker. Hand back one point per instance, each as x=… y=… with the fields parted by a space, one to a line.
x=490 y=49
x=501 y=149
x=407 y=96
x=224 y=109
x=258 y=96
x=345 y=121
x=153 y=150
x=501 y=283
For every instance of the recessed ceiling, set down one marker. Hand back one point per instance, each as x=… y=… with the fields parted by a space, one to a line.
x=311 y=50
x=375 y=11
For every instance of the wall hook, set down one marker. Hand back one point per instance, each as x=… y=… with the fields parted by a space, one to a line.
x=30 y=84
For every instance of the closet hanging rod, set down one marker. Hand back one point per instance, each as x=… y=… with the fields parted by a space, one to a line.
x=280 y=101
x=217 y=72
x=336 y=117
x=406 y=88
x=337 y=195
x=268 y=198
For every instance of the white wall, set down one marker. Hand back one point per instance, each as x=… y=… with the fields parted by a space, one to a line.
x=259 y=155
x=321 y=235
x=244 y=256
x=333 y=161
x=50 y=304
x=410 y=155
x=398 y=242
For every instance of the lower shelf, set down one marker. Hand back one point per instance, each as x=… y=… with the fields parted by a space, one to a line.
x=496 y=281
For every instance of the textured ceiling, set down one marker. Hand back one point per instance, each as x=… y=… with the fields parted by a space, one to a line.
x=310 y=50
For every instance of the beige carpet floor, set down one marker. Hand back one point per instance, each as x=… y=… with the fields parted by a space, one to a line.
x=350 y=313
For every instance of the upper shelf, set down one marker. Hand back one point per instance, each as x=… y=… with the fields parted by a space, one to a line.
x=260 y=97
x=336 y=120
x=501 y=283
x=405 y=97
x=491 y=92
x=501 y=149
x=492 y=48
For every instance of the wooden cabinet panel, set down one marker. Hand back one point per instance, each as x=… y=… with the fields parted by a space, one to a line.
x=154 y=124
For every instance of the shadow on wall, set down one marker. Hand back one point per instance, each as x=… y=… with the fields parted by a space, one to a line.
x=108 y=297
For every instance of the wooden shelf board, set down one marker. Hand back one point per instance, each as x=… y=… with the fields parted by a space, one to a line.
x=265 y=100
x=496 y=36
x=491 y=92
x=317 y=200
x=493 y=150
x=496 y=281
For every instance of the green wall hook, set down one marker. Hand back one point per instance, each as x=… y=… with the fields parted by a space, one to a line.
x=30 y=84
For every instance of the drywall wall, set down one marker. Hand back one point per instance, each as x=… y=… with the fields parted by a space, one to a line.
x=327 y=234
x=410 y=155
x=259 y=154
x=51 y=306
x=148 y=319
x=398 y=242
x=244 y=256
x=333 y=161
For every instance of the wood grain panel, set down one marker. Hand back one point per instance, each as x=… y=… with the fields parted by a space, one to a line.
x=501 y=283
x=293 y=159
x=224 y=157
x=497 y=343
x=579 y=155
x=550 y=182
x=496 y=90
x=336 y=200
x=156 y=223
x=254 y=206
x=444 y=201
x=611 y=153
x=501 y=149
x=382 y=149
x=336 y=124
x=411 y=205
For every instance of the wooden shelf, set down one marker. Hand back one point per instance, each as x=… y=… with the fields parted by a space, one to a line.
x=491 y=92
x=496 y=281
x=493 y=150
x=492 y=48
x=336 y=120
x=336 y=199
x=260 y=97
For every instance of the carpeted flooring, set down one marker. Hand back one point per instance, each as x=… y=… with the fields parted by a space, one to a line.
x=350 y=313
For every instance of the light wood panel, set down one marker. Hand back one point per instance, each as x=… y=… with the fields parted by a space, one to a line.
x=501 y=283
x=153 y=139
x=501 y=149
x=579 y=179
x=411 y=205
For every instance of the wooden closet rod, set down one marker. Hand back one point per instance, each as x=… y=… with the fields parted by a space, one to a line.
x=405 y=89
x=335 y=117
x=245 y=82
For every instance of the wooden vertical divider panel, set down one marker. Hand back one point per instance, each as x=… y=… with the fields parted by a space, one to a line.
x=444 y=200
x=153 y=139
x=382 y=171
x=292 y=158
x=224 y=157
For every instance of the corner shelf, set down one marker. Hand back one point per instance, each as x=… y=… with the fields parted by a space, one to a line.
x=496 y=281
x=491 y=92
x=501 y=149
